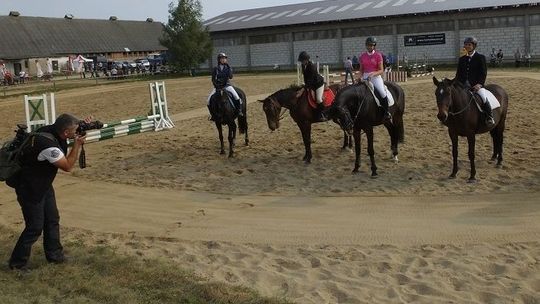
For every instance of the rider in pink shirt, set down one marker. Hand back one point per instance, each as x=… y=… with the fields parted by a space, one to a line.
x=371 y=69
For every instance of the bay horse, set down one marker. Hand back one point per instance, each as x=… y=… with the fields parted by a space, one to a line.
x=355 y=110
x=458 y=110
x=225 y=113
x=301 y=112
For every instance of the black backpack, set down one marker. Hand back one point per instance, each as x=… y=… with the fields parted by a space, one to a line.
x=11 y=152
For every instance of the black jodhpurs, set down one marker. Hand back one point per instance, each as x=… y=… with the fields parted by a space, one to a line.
x=38 y=216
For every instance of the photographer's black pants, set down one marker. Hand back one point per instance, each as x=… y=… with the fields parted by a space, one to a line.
x=38 y=216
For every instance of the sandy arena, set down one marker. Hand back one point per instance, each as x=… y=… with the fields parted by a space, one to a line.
x=315 y=233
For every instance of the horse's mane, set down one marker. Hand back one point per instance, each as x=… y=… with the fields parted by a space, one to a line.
x=287 y=93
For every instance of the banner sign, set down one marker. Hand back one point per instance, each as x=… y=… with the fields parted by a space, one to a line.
x=429 y=39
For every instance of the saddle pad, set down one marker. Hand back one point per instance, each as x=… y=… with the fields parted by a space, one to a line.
x=328 y=98
x=388 y=94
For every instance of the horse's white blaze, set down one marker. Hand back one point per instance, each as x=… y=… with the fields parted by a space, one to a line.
x=441 y=91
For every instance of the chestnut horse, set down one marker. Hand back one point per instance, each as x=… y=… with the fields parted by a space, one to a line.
x=459 y=111
x=355 y=110
x=225 y=113
x=301 y=112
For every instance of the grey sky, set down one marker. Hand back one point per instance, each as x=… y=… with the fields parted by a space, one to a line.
x=126 y=9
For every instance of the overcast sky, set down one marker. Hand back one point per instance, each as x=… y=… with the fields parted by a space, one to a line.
x=127 y=9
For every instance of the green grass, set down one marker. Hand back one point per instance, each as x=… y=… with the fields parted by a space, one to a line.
x=99 y=275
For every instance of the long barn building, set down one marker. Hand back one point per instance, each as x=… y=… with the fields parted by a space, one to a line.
x=333 y=30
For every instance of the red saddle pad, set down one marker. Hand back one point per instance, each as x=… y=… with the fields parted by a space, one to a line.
x=328 y=98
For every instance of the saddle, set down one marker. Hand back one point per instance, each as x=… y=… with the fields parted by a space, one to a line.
x=376 y=94
x=328 y=97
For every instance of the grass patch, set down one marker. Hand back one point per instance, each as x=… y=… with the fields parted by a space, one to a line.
x=99 y=275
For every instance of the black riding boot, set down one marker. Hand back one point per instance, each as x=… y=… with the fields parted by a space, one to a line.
x=321 y=112
x=489 y=114
x=384 y=105
x=212 y=118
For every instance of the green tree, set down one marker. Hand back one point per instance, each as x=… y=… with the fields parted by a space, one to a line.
x=188 y=41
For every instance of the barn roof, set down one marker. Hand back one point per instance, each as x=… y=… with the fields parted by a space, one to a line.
x=28 y=37
x=337 y=10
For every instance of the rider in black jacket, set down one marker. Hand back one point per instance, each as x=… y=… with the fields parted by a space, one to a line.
x=313 y=81
x=221 y=75
x=472 y=72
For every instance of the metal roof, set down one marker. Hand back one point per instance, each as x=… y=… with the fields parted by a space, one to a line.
x=337 y=10
x=30 y=37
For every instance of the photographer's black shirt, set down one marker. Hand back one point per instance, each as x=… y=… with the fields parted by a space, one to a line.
x=37 y=176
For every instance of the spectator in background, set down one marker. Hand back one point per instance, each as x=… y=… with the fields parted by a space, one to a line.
x=22 y=76
x=49 y=69
x=528 y=59
x=355 y=62
x=348 y=70
x=518 y=57
x=492 y=57
x=500 y=57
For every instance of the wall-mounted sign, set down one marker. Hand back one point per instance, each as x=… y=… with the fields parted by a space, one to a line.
x=429 y=39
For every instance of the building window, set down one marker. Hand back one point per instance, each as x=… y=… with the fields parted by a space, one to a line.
x=55 y=65
x=315 y=35
x=535 y=20
x=493 y=22
x=230 y=41
x=262 y=39
x=367 y=31
x=424 y=27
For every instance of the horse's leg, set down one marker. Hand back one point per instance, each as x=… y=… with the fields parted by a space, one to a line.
x=495 y=141
x=471 y=140
x=305 y=128
x=498 y=137
x=220 y=132
x=232 y=137
x=392 y=131
x=454 y=138
x=371 y=151
x=357 y=143
x=345 y=141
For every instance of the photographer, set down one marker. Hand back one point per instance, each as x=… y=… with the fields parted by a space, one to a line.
x=40 y=162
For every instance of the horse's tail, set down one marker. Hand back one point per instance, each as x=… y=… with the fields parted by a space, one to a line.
x=242 y=124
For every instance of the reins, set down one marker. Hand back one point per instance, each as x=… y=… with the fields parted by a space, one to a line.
x=464 y=109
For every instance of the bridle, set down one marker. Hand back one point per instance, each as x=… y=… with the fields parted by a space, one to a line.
x=450 y=113
x=276 y=104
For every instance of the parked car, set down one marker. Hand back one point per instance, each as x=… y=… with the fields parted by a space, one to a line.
x=130 y=64
x=143 y=62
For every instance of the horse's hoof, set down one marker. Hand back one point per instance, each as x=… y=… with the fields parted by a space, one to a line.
x=355 y=172
x=222 y=152
x=453 y=176
x=395 y=159
x=471 y=181
x=307 y=161
x=374 y=175
x=499 y=166
x=493 y=159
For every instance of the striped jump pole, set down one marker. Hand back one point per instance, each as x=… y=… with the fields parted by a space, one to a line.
x=396 y=76
x=120 y=130
x=127 y=121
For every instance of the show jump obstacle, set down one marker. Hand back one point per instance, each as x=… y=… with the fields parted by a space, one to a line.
x=41 y=111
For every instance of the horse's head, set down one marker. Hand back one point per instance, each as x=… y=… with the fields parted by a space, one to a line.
x=340 y=112
x=272 y=110
x=443 y=95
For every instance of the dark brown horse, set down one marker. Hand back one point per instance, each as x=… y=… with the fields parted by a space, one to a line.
x=459 y=111
x=301 y=112
x=225 y=113
x=355 y=110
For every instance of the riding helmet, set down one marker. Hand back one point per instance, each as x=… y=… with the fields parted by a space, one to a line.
x=471 y=40
x=221 y=55
x=303 y=56
x=371 y=40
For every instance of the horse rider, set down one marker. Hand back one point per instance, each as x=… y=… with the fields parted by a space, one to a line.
x=371 y=69
x=221 y=76
x=472 y=72
x=313 y=81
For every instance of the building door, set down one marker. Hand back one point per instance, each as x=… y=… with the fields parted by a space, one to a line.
x=17 y=68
